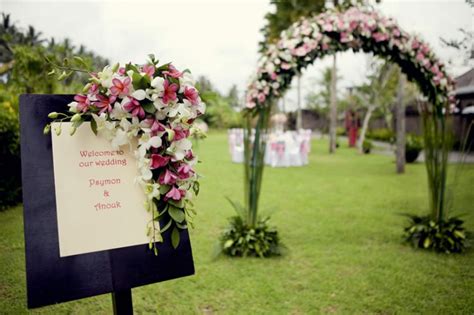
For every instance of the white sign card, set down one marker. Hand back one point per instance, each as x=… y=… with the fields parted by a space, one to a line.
x=99 y=205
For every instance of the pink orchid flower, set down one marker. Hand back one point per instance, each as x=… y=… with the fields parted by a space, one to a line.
x=149 y=70
x=191 y=95
x=172 y=72
x=121 y=71
x=120 y=87
x=189 y=155
x=167 y=178
x=154 y=125
x=83 y=102
x=94 y=89
x=158 y=161
x=180 y=134
x=169 y=93
x=105 y=103
x=184 y=171
x=134 y=107
x=175 y=194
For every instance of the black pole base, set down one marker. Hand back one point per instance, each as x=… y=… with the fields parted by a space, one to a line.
x=122 y=301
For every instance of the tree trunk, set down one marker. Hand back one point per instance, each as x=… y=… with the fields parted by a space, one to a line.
x=299 y=118
x=400 y=126
x=333 y=109
x=365 y=126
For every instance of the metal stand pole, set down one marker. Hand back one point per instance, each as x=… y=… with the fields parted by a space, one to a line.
x=122 y=301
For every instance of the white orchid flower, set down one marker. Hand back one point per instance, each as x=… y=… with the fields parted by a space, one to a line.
x=180 y=110
x=106 y=76
x=186 y=80
x=146 y=142
x=119 y=113
x=152 y=190
x=73 y=107
x=158 y=84
x=139 y=95
x=120 y=138
x=105 y=128
x=179 y=148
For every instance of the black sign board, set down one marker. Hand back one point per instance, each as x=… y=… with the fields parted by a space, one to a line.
x=53 y=279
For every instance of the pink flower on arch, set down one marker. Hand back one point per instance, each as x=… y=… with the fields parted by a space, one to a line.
x=105 y=103
x=175 y=194
x=120 y=87
x=134 y=108
x=169 y=93
x=380 y=37
x=167 y=178
x=191 y=95
x=83 y=103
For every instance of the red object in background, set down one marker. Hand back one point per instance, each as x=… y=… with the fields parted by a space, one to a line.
x=352 y=127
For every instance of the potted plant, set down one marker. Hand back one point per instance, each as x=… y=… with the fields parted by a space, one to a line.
x=413 y=147
x=367 y=146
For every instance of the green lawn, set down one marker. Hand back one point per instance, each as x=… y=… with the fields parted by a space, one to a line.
x=339 y=217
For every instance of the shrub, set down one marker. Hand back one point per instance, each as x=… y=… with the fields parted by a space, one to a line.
x=241 y=240
x=10 y=180
x=381 y=134
x=367 y=146
x=340 y=131
x=445 y=236
x=413 y=147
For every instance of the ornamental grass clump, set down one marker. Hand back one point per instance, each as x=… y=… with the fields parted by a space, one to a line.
x=242 y=240
x=443 y=236
x=436 y=231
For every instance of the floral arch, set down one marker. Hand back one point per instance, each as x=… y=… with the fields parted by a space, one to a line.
x=357 y=30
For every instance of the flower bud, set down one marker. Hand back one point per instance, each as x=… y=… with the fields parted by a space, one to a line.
x=76 y=117
x=115 y=67
x=53 y=115
x=86 y=87
x=47 y=129
x=58 y=130
x=72 y=131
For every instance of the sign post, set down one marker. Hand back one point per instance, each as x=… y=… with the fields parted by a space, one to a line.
x=58 y=272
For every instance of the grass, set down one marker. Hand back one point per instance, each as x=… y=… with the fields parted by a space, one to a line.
x=339 y=218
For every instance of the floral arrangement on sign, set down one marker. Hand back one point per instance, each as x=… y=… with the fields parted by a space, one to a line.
x=150 y=108
x=356 y=29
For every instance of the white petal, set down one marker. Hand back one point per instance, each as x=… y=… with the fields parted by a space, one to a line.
x=139 y=95
x=155 y=142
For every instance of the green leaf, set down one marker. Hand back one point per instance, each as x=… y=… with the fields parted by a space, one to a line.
x=175 y=237
x=178 y=204
x=427 y=242
x=149 y=108
x=228 y=243
x=164 y=189
x=129 y=66
x=459 y=234
x=176 y=213
x=166 y=227
x=94 y=126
